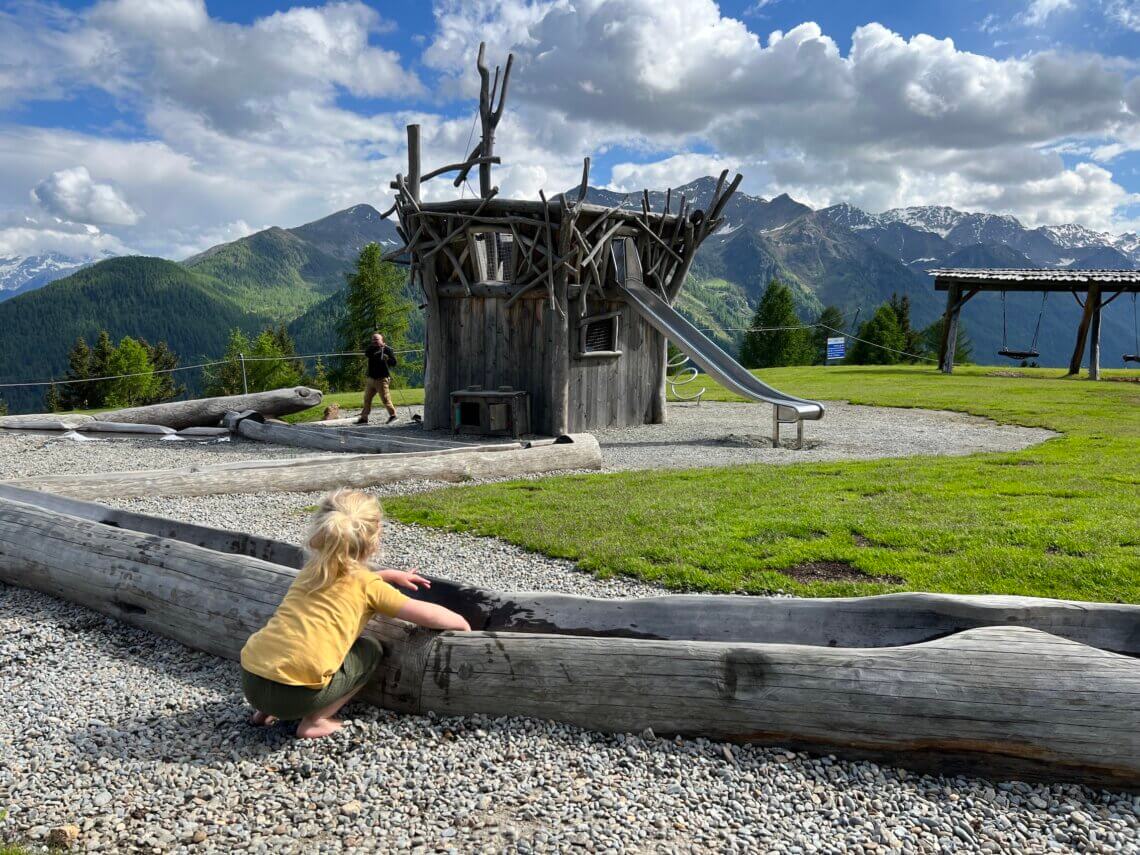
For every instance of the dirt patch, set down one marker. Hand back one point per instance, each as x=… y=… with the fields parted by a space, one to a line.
x=835 y=571
x=1006 y=374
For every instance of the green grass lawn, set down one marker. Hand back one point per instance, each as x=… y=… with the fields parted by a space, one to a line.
x=1058 y=520
x=354 y=400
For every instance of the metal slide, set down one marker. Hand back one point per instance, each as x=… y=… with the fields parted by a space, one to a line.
x=703 y=350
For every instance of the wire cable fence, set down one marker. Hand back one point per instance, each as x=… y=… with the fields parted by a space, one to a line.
x=241 y=359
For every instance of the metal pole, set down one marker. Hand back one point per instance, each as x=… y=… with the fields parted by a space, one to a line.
x=244 y=379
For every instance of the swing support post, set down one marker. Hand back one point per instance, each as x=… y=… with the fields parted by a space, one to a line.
x=1092 y=307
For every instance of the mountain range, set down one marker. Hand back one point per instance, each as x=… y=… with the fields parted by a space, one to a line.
x=19 y=274
x=839 y=256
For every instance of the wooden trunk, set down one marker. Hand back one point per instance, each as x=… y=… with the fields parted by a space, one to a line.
x=993 y=699
x=208 y=412
x=307 y=474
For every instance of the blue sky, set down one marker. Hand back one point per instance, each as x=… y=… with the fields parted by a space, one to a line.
x=164 y=126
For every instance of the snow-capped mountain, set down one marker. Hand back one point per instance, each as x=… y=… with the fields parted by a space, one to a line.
x=910 y=234
x=19 y=274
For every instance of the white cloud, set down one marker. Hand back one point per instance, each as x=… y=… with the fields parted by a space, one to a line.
x=1126 y=13
x=23 y=236
x=247 y=124
x=1040 y=11
x=71 y=194
x=895 y=121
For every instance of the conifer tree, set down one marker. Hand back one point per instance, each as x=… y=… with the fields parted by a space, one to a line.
x=882 y=339
x=163 y=359
x=769 y=341
x=374 y=302
x=76 y=396
x=912 y=338
x=135 y=383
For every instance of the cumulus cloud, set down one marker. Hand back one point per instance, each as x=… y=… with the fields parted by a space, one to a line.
x=71 y=194
x=893 y=121
x=1126 y=13
x=248 y=124
x=23 y=236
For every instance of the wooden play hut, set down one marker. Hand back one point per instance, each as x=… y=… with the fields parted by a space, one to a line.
x=523 y=298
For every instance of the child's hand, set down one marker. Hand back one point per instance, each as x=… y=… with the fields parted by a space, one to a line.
x=404 y=578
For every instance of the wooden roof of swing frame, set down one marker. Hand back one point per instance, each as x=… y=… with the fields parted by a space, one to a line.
x=1035 y=279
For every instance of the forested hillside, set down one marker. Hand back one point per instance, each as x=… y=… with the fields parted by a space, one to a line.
x=148 y=298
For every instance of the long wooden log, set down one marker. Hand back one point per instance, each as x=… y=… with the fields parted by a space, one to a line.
x=885 y=620
x=208 y=412
x=1010 y=700
x=45 y=421
x=348 y=441
x=306 y=474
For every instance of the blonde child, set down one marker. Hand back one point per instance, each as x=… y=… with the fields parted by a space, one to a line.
x=310 y=659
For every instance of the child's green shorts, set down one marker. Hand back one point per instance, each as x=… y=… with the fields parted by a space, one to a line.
x=289 y=703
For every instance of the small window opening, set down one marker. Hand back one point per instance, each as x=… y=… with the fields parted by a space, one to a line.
x=598 y=335
x=495 y=253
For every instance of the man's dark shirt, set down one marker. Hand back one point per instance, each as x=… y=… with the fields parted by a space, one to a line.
x=380 y=359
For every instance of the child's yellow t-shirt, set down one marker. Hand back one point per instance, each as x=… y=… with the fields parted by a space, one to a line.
x=309 y=635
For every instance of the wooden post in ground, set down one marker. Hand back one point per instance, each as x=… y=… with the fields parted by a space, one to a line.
x=414 y=161
x=1092 y=302
x=1094 y=343
x=949 y=330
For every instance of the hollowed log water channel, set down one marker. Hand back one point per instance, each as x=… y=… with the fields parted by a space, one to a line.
x=1032 y=688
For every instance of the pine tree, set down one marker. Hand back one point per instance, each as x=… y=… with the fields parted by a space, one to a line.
x=101 y=356
x=226 y=379
x=163 y=359
x=52 y=400
x=769 y=343
x=135 y=383
x=912 y=338
x=374 y=302
x=831 y=323
x=76 y=396
x=882 y=338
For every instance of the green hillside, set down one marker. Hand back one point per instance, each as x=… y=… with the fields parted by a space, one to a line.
x=142 y=297
x=272 y=273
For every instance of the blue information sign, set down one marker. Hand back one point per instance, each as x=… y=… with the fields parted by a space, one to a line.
x=836 y=347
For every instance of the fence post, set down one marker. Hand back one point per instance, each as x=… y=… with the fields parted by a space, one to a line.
x=244 y=380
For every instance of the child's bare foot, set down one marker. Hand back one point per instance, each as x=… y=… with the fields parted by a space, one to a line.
x=316 y=728
x=260 y=719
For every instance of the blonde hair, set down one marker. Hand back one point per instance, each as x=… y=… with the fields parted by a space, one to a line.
x=344 y=533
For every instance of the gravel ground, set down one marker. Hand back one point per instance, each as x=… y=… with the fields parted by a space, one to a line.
x=483 y=561
x=712 y=434
x=140 y=745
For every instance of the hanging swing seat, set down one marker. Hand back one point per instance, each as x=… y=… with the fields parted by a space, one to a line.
x=1131 y=357
x=1018 y=354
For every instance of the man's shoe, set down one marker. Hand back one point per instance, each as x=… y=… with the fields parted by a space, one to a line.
x=391 y=419
x=363 y=420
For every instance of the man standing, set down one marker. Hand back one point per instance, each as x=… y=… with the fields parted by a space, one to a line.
x=381 y=359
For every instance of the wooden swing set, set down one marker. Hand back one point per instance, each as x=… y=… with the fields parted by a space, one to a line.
x=1098 y=287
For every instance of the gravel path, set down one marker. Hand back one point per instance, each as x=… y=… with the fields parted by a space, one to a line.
x=712 y=434
x=140 y=745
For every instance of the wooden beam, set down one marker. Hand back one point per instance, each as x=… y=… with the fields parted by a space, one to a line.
x=208 y=412
x=414 y=168
x=305 y=474
x=1091 y=303
x=949 y=331
x=1094 y=342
